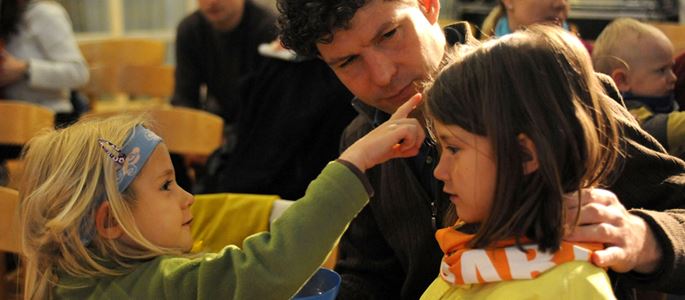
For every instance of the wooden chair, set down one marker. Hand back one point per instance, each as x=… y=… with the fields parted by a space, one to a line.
x=676 y=33
x=21 y=120
x=124 y=51
x=184 y=130
x=9 y=239
x=108 y=60
x=19 y=123
x=188 y=131
x=116 y=88
x=147 y=80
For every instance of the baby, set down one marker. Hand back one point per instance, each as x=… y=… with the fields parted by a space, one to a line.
x=639 y=58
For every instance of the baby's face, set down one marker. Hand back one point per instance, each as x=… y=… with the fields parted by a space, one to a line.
x=651 y=73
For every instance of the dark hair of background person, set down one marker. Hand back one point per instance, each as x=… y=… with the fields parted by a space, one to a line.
x=11 y=12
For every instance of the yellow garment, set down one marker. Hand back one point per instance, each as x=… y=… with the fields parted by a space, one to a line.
x=572 y=280
x=227 y=219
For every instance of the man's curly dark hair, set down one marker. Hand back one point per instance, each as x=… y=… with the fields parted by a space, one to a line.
x=304 y=23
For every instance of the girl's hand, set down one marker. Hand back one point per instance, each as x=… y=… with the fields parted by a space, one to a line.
x=398 y=137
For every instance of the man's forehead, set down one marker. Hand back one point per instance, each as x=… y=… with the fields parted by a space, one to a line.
x=367 y=23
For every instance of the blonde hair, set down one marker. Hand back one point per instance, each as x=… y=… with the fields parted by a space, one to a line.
x=615 y=45
x=66 y=170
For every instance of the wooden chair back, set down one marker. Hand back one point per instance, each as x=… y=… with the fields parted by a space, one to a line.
x=9 y=237
x=188 y=131
x=116 y=88
x=124 y=51
x=108 y=59
x=9 y=222
x=22 y=120
x=103 y=81
x=147 y=80
x=184 y=130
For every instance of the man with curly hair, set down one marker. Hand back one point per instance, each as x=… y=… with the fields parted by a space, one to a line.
x=380 y=49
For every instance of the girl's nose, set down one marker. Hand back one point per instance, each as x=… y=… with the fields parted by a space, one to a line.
x=189 y=199
x=440 y=172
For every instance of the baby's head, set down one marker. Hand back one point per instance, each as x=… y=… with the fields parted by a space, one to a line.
x=638 y=56
x=520 y=122
x=97 y=197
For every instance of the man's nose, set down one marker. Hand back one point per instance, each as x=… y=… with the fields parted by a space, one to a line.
x=381 y=69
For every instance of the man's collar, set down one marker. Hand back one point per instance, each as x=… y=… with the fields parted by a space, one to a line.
x=373 y=115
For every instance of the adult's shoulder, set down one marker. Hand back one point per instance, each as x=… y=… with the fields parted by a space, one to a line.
x=45 y=9
x=46 y=14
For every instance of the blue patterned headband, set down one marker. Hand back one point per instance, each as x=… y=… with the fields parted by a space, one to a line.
x=131 y=158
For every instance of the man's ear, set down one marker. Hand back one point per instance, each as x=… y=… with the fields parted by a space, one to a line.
x=620 y=77
x=530 y=160
x=430 y=9
x=105 y=223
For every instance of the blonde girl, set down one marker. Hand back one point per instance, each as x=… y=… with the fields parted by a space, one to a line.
x=103 y=218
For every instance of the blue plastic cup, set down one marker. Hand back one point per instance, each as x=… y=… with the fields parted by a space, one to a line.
x=323 y=285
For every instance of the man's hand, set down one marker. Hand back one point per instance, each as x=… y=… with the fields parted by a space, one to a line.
x=630 y=243
x=11 y=69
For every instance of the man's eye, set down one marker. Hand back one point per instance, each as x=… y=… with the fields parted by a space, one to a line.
x=389 y=34
x=347 y=61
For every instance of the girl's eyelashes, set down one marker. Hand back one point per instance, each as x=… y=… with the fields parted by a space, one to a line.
x=452 y=149
x=166 y=185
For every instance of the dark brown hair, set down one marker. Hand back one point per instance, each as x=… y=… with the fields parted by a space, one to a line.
x=539 y=82
x=11 y=12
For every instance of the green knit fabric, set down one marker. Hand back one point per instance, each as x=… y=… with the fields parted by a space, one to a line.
x=272 y=265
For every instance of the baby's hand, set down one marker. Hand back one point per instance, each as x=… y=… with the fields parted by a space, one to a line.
x=398 y=137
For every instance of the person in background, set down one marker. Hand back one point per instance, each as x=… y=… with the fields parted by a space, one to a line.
x=639 y=58
x=103 y=218
x=216 y=55
x=41 y=61
x=679 y=70
x=512 y=147
x=513 y=15
x=288 y=130
x=216 y=52
x=379 y=50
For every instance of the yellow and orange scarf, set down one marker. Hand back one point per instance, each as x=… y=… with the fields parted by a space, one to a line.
x=504 y=261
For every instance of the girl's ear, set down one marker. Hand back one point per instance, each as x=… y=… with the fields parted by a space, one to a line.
x=620 y=77
x=530 y=160
x=430 y=9
x=105 y=224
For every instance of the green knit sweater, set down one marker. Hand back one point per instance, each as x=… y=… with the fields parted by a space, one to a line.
x=272 y=265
